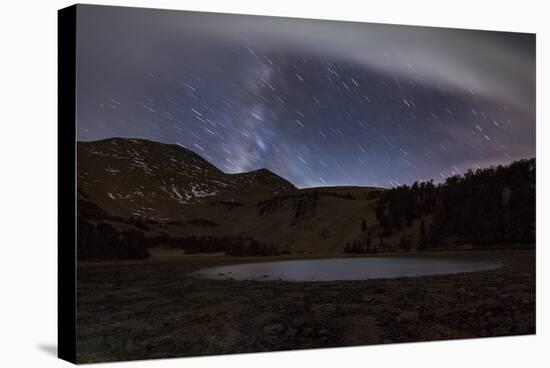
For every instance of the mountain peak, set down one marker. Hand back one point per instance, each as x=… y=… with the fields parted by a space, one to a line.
x=137 y=177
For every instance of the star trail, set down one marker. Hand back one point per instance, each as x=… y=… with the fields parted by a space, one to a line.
x=317 y=102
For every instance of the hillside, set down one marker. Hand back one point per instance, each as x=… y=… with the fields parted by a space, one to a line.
x=132 y=177
x=165 y=195
x=172 y=192
x=486 y=208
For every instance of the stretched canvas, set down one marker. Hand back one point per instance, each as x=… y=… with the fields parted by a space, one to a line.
x=238 y=183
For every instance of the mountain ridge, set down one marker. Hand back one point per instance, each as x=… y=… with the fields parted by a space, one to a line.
x=178 y=193
x=171 y=194
x=133 y=171
x=261 y=170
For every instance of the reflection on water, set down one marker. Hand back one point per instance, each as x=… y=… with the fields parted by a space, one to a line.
x=345 y=269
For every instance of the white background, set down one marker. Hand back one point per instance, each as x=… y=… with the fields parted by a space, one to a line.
x=28 y=182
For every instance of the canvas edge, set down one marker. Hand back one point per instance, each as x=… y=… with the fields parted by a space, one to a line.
x=66 y=176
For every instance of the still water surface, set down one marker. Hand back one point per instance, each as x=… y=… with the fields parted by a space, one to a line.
x=345 y=269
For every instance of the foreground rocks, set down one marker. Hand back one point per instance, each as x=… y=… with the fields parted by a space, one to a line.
x=154 y=309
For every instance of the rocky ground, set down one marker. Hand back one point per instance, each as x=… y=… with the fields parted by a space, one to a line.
x=155 y=309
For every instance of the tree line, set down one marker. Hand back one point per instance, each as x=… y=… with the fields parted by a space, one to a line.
x=100 y=240
x=483 y=208
x=232 y=245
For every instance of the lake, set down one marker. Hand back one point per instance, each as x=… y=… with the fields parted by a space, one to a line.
x=335 y=269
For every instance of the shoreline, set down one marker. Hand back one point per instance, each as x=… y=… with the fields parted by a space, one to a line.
x=156 y=310
x=160 y=255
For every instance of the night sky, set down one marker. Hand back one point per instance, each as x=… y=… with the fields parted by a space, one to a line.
x=317 y=102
